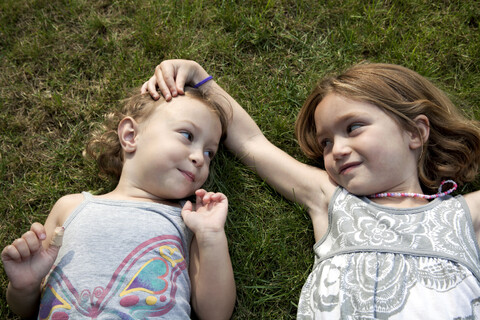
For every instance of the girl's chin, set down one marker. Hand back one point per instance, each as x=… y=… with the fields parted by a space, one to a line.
x=357 y=190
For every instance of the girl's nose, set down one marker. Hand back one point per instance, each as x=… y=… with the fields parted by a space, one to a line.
x=340 y=148
x=196 y=156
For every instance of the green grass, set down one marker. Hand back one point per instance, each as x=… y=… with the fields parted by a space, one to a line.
x=65 y=63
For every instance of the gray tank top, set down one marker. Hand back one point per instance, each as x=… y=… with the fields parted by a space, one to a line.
x=120 y=260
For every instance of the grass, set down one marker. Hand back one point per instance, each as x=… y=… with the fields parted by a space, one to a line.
x=65 y=63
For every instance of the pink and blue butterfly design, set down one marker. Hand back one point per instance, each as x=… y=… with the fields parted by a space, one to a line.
x=144 y=285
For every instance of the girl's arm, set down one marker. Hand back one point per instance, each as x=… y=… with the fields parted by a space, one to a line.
x=211 y=273
x=29 y=259
x=26 y=263
x=296 y=181
x=304 y=184
x=473 y=202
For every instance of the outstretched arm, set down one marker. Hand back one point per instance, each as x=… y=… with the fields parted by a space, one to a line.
x=296 y=181
x=27 y=262
x=211 y=273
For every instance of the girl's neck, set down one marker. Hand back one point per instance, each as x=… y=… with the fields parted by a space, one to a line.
x=400 y=202
x=121 y=194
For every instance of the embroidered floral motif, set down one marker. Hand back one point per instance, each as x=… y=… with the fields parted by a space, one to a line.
x=370 y=261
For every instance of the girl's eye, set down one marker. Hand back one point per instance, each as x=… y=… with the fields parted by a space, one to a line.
x=325 y=143
x=187 y=135
x=353 y=127
x=209 y=154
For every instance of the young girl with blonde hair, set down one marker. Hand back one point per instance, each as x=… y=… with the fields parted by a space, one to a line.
x=391 y=242
x=135 y=252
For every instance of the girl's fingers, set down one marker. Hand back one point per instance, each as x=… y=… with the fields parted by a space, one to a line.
x=39 y=230
x=210 y=196
x=180 y=83
x=28 y=244
x=144 y=88
x=188 y=206
x=165 y=73
x=162 y=85
x=200 y=193
x=32 y=241
x=198 y=201
x=207 y=197
x=169 y=78
x=10 y=252
x=217 y=196
x=151 y=87
x=22 y=248
x=187 y=209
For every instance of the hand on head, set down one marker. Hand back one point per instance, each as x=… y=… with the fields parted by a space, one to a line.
x=171 y=76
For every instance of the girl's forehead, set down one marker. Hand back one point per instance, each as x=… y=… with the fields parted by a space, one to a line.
x=337 y=104
x=335 y=109
x=333 y=105
x=184 y=107
x=187 y=111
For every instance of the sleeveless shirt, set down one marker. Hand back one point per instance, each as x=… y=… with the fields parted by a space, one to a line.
x=120 y=260
x=378 y=262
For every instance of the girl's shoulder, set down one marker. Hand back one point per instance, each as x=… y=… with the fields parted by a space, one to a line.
x=65 y=206
x=61 y=210
x=473 y=202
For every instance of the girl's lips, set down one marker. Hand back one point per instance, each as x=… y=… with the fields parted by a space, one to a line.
x=347 y=167
x=190 y=176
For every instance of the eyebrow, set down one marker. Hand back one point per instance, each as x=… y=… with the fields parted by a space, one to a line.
x=344 y=118
x=191 y=123
x=199 y=128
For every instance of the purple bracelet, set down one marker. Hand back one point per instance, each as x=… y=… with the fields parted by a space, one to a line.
x=203 y=81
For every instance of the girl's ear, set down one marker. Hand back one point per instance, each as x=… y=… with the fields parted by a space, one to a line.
x=420 y=136
x=127 y=134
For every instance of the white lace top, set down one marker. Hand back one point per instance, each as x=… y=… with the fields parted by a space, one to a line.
x=377 y=262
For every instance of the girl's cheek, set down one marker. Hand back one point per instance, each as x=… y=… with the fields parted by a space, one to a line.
x=204 y=177
x=327 y=162
x=330 y=168
x=330 y=173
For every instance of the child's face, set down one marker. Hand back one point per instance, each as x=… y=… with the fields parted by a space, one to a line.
x=175 y=146
x=365 y=150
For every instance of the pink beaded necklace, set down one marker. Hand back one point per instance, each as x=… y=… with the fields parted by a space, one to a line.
x=439 y=194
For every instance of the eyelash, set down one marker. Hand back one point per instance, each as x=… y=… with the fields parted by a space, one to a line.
x=189 y=136
x=350 y=128
x=210 y=154
x=323 y=143
x=357 y=125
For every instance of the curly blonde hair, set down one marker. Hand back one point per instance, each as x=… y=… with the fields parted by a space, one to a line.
x=104 y=145
x=452 y=150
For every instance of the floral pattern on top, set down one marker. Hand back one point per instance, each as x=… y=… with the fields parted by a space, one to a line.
x=377 y=262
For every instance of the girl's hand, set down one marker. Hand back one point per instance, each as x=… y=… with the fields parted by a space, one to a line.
x=26 y=261
x=209 y=215
x=210 y=269
x=171 y=76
